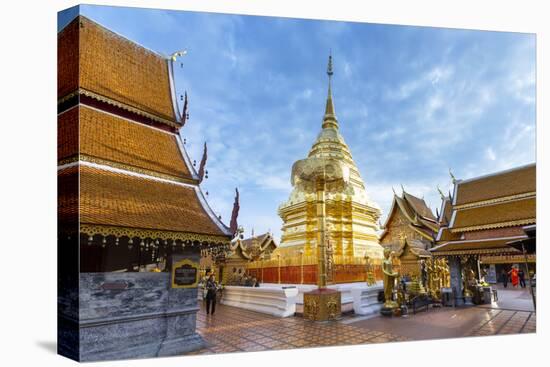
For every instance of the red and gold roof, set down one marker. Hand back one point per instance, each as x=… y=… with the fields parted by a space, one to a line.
x=512 y=213
x=488 y=212
x=102 y=64
x=120 y=174
x=486 y=189
x=109 y=139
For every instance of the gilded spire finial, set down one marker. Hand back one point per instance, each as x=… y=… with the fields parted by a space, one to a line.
x=329 y=68
x=330 y=117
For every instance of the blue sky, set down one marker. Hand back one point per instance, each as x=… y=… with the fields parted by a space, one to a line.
x=412 y=102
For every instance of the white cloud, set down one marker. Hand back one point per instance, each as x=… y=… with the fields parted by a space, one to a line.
x=490 y=154
x=431 y=77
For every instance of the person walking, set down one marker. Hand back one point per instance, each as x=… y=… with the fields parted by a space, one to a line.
x=521 y=276
x=211 y=288
x=504 y=278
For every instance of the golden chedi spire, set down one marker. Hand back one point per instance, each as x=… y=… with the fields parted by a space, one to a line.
x=329 y=120
x=350 y=213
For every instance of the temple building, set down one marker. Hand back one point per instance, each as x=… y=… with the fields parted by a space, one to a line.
x=243 y=252
x=351 y=216
x=410 y=231
x=132 y=217
x=483 y=216
x=231 y=266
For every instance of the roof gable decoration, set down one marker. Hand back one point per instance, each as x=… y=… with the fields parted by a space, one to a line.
x=415 y=211
x=211 y=213
x=416 y=247
x=233 y=225
x=181 y=118
x=252 y=248
x=186 y=158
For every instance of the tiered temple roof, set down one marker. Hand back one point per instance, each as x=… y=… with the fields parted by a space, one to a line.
x=99 y=63
x=485 y=213
x=409 y=216
x=119 y=142
x=256 y=245
x=118 y=139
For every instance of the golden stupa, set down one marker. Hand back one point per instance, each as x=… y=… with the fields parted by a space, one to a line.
x=351 y=217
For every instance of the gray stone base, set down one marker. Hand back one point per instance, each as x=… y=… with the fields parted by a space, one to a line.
x=182 y=345
x=145 y=318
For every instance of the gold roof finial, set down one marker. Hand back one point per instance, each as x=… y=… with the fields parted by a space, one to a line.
x=329 y=119
x=441 y=193
x=453 y=178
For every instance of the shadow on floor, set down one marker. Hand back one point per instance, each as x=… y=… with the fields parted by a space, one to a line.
x=48 y=345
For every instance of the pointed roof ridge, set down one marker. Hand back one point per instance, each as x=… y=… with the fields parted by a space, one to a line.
x=419 y=206
x=329 y=119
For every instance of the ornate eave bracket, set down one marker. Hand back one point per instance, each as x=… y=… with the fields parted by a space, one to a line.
x=92 y=230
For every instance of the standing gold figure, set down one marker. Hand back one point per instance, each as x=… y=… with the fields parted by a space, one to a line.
x=430 y=271
x=389 y=279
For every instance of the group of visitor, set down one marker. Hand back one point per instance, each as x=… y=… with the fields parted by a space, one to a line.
x=515 y=275
x=244 y=281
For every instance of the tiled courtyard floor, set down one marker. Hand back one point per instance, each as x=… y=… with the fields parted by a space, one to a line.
x=237 y=330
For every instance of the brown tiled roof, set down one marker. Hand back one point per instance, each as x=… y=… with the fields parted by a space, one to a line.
x=67 y=59
x=67 y=199
x=115 y=199
x=420 y=252
x=119 y=69
x=513 y=182
x=247 y=243
x=118 y=140
x=447 y=235
x=405 y=208
x=426 y=231
x=493 y=215
x=404 y=205
x=67 y=134
x=419 y=206
x=417 y=247
x=447 y=211
x=493 y=244
x=433 y=226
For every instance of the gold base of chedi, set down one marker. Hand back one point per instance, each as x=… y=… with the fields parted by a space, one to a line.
x=322 y=305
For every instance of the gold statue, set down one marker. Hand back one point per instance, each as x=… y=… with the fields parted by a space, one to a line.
x=389 y=279
x=430 y=271
x=371 y=280
x=440 y=274
x=468 y=278
x=436 y=280
x=446 y=274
